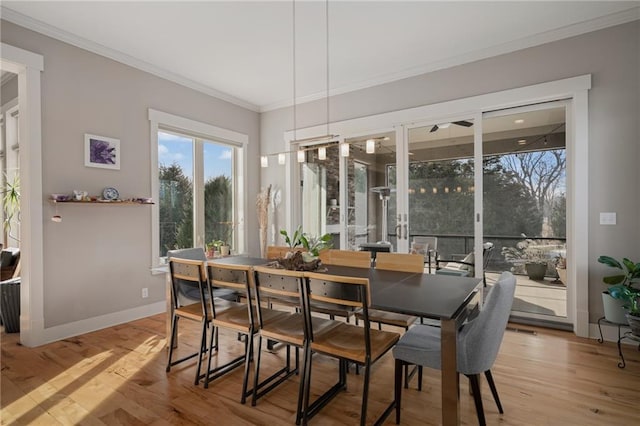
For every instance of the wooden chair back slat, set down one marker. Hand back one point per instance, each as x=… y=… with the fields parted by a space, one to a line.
x=340 y=290
x=356 y=259
x=234 y=277
x=403 y=262
x=278 y=283
x=191 y=271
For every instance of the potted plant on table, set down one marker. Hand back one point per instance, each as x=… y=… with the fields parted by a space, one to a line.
x=534 y=259
x=211 y=249
x=306 y=260
x=620 y=301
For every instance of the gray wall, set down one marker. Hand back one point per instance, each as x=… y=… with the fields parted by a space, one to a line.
x=97 y=260
x=9 y=90
x=611 y=55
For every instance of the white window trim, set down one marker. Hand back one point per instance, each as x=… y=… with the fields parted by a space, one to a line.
x=161 y=120
x=575 y=89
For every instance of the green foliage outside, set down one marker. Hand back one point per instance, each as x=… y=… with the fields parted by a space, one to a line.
x=176 y=209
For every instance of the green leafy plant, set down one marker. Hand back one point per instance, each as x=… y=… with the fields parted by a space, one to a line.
x=621 y=285
x=313 y=245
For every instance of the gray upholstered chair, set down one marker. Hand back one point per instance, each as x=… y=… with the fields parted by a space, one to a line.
x=478 y=344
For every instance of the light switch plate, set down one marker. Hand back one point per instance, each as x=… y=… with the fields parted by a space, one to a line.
x=607 y=218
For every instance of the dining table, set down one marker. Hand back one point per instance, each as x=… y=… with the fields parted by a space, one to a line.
x=448 y=299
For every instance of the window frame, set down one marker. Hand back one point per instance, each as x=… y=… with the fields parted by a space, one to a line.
x=162 y=121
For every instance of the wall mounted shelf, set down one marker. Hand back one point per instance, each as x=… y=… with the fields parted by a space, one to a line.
x=103 y=202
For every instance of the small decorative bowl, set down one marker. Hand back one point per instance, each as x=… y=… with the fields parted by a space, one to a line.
x=60 y=197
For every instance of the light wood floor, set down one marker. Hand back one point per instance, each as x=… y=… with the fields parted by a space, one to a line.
x=117 y=376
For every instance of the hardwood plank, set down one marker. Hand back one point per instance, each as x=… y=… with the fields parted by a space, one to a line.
x=117 y=376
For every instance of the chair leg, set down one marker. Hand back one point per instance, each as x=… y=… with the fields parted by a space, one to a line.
x=306 y=384
x=420 y=378
x=203 y=348
x=212 y=343
x=494 y=391
x=398 y=388
x=474 y=381
x=248 y=357
x=174 y=326
x=365 y=394
x=256 y=373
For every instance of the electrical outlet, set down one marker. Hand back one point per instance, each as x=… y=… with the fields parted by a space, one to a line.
x=145 y=293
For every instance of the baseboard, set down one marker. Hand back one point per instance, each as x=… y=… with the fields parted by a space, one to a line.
x=88 y=325
x=541 y=323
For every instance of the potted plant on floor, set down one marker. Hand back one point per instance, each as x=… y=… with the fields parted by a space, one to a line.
x=534 y=259
x=620 y=300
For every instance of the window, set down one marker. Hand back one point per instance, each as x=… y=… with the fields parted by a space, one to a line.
x=198 y=185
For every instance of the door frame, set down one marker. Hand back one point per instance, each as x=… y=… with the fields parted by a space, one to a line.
x=574 y=88
x=28 y=66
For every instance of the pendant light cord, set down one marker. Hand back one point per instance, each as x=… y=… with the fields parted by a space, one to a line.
x=294 y=70
x=327 y=51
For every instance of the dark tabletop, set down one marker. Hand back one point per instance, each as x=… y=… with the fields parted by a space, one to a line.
x=427 y=295
x=240 y=260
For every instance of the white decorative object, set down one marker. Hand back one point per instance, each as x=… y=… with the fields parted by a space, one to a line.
x=262 y=205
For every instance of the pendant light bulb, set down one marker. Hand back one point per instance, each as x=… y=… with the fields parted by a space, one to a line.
x=301 y=156
x=371 y=146
x=322 y=153
x=282 y=158
x=264 y=161
x=344 y=149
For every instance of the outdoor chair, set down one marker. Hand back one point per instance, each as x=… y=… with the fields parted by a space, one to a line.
x=478 y=344
x=466 y=266
x=427 y=247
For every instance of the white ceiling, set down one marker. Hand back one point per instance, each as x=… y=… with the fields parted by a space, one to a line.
x=242 y=51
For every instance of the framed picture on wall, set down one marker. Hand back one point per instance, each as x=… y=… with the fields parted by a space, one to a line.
x=102 y=152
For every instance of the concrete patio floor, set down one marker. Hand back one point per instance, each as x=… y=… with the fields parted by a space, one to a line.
x=547 y=297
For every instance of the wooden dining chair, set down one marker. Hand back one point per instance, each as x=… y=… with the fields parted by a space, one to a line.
x=193 y=272
x=240 y=318
x=284 y=287
x=402 y=262
x=189 y=292
x=346 y=342
x=478 y=344
x=355 y=259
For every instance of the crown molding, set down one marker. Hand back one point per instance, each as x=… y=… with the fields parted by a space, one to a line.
x=595 y=24
x=64 y=36
x=568 y=31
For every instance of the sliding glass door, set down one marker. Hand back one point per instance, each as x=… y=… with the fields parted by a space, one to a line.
x=524 y=204
x=439 y=191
